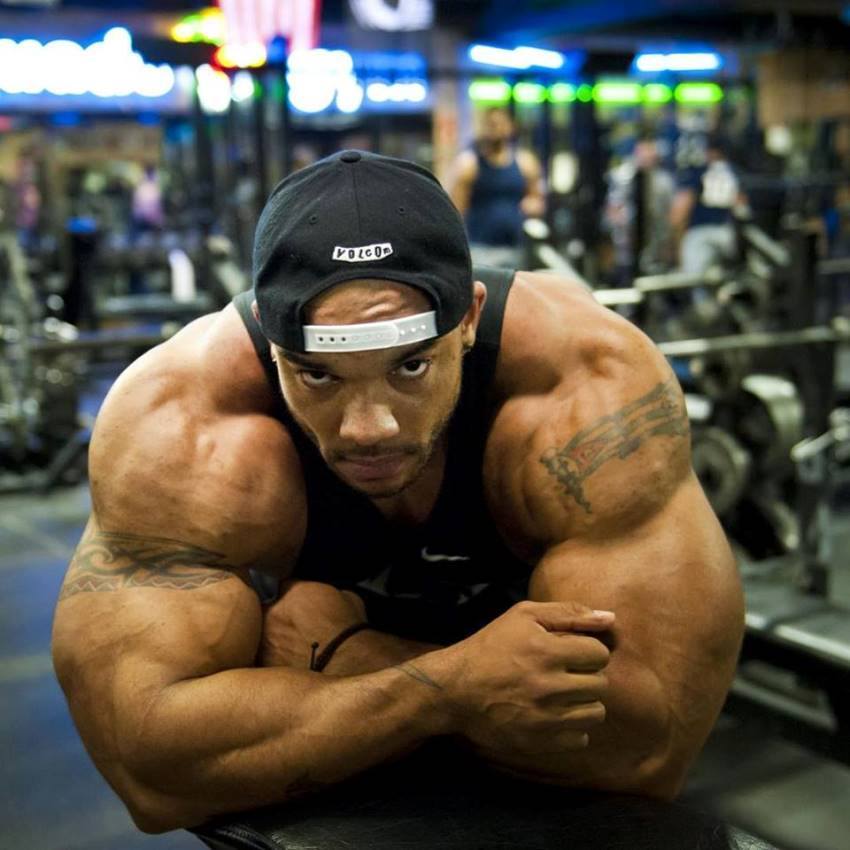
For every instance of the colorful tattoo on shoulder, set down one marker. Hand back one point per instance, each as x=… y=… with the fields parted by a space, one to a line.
x=106 y=561
x=660 y=413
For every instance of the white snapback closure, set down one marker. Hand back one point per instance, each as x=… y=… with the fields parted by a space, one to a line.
x=370 y=336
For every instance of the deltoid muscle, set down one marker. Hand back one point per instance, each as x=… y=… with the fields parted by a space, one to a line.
x=660 y=413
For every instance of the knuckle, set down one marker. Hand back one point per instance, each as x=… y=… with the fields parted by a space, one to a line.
x=540 y=646
x=525 y=607
x=540 y=688
x=575 y=609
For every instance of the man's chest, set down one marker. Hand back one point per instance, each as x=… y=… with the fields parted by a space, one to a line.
x=452 y=572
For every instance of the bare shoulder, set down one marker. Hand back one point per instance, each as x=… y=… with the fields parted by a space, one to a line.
x=185 y=449
x=528 y=162
x=591 y=431
x=466 y=165
x=552 y=320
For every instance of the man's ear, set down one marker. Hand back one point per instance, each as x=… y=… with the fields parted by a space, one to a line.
x=469 y=323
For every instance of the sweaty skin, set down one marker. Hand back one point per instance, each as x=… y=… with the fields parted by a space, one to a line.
x=157 y=633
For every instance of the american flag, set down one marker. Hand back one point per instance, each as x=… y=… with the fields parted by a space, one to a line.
x=259 y=21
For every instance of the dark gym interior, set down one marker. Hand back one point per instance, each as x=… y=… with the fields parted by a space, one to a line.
x=692 y=169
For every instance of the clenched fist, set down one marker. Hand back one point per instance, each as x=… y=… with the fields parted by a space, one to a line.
x=532 y=681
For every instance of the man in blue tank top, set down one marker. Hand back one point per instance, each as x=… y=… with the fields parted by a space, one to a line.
x=702 y=212
x=496 y=186
x=401 y=441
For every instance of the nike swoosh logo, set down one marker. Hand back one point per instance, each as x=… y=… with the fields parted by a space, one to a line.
x=428 y=556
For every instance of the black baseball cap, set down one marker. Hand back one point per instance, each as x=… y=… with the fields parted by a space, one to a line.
x=357 y=215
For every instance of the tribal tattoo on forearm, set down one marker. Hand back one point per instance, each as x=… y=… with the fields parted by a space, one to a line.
x=660 y=413
x=106 y=561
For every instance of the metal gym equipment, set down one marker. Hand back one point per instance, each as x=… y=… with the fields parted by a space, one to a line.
x=795 y=665
x=798 y=641
x=43 y=358
x=41 y=363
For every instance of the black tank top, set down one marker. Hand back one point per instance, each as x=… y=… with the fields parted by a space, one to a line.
x=439 y=581
x=495 y=216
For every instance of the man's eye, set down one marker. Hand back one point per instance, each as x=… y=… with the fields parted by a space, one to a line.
x=315 y=378
x=414 y=368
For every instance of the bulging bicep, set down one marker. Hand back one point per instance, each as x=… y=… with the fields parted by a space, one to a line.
x=136 y=614
x=163 y=607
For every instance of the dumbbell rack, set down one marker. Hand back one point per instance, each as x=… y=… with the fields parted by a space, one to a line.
x=794 y=673
x=795 y=663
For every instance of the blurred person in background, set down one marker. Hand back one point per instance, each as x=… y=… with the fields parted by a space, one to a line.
x=703 y=210
x=497 y=185
x=27 y=201
x=147 y=210
x=637 y=212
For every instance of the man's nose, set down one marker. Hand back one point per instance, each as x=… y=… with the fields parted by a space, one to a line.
x=366 y=423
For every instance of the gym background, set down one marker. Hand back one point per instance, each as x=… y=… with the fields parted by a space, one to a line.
x=695 y=162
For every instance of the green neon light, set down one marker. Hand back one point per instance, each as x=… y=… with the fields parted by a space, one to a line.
x=562 y=93
x=207 y=26
x=617 y=93
x=584 y=93
x=698 y=93
x=529 y=93
x=657 y=93
x=213 y=29
x=489 y=91
x=187 y=29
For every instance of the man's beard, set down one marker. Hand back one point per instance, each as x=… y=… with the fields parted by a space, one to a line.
x=425 y=452
x=424 y=456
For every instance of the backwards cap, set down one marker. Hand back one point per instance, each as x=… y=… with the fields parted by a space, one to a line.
x=358 y=215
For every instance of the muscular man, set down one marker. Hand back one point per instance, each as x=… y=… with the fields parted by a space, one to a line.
x=495 y=476
x=496 y=186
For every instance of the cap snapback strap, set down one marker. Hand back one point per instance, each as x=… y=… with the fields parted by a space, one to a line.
x=370 y=335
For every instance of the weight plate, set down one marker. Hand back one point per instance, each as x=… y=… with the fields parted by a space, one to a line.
x=723 y=467
x=772 y=421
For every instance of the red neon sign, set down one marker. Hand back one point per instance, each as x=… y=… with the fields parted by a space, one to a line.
x=259 y=21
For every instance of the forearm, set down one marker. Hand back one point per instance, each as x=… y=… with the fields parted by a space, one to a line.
x=680 y=213
x=533 y=203
x=626 y=754
x=633 y=751
x=371 y=650
x=246 y=738
x=629 y=753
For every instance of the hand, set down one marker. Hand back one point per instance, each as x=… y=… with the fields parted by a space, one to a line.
x=307 y=612
x=532 y=206
x=531 y=681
